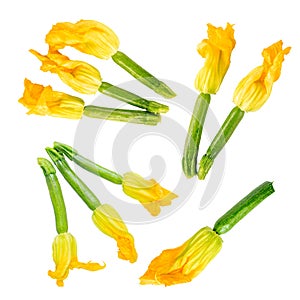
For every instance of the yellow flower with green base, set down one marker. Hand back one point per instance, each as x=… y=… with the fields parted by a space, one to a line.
x=182 y=264
x=250 y=95
x=148 y=192
x=86 y=79
x=105 y=217
x=95 y=38
x=64 y=246
x=217 y=51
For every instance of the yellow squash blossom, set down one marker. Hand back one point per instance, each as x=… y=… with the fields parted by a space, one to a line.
x=182 y=264
x=255 y=89
x=65 y=258
x=79 y=75
x=107 y=219
x=217 y=52
x=148 y=192
x=87 y=36
x=41 y=100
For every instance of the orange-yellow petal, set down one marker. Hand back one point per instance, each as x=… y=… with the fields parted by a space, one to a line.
x=182 y=264
x=217 y=52
x=65 y=258
x=148 y=192
x=41 y=100
x=254 y=90
x=87 y=36
x=79 y=75
x=107 y=219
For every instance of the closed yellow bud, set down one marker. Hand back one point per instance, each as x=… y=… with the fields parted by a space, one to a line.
x=41 y=100
x=182 y=264
x=255 y=89
x=79 y=75
x=87 y=36
x=217 y=52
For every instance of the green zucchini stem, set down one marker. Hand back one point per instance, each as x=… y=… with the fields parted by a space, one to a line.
x=192 y=141
x=61 y=220
x=122 y=115
x=142 y=75
x=243 y=207
x=220 y=140
x=87 y=164
x=132 y=99
x=75 y=182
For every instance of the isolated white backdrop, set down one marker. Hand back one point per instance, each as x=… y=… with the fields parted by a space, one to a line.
x=260 y=257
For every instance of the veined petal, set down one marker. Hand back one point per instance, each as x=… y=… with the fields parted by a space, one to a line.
x=107 y=219
x=79 y=75
x=217 y=52
x=87 y=36
x=255 y=89
x=44 y=101
x=148 y=192
x=185 y=262
x=65 y=258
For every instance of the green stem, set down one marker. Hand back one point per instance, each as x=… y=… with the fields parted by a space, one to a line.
x=242 y=208
x=75 y=182
x=122 y=115
x=220 y=140
x=87 y=164
x=191 y=147
x=142 y=75
x=61 y=220
x=132 y=99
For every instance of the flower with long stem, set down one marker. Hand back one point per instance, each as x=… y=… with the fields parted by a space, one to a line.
x=105 y=217
x=64 y=245
x=86 y=79
x=217 y=52
x=250 y=95
x=95 y=38
x=182 y=264
x=41 y=100
x=148 y=192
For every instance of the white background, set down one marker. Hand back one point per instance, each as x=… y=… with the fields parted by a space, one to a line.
x=260 y=256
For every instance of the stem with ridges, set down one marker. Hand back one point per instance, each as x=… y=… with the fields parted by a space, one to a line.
x=87 y=164
x=220 y=140
x=61 y=220
x=132 y=99
x=243 y=207
x=191 y=147
x=142 y=75
x=122 y=115
x=75 y=182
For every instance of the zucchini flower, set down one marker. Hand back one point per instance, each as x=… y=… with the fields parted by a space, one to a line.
x=254 y=90
x=217 y=52
x=184 y=263
x=64 y=245
x=105 y=217
x=84 y=78
x=79 y=75
x=94 y=38
x=148 y=192
x=87 y=36
x=41 y=100
x=250 y=95
x=107 y=220
x=65 y=258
